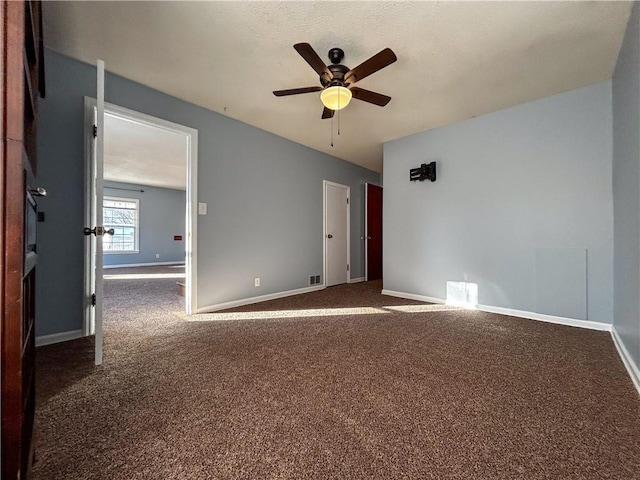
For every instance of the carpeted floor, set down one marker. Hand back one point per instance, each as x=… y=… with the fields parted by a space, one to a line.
x=370 y=387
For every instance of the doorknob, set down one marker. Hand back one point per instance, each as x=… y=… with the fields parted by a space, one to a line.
x=368 y=238
x=38 y=192
x=329 y=236
x=98 y=231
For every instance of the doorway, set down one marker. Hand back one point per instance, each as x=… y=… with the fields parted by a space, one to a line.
x=336 y=232
x=125 y=186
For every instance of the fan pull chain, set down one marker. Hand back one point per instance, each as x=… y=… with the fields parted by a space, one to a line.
x=338 y=114
x=331 y=131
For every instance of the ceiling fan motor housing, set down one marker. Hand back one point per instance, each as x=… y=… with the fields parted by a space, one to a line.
x=338 y=72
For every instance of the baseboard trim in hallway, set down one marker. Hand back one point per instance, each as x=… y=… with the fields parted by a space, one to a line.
x=262 y=298
x=58 y=337
x=152 y=264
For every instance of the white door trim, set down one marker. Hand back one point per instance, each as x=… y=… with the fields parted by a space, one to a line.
x=325 y=184
x=191 y=226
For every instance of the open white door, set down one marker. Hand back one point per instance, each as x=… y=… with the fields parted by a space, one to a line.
x=94 y=231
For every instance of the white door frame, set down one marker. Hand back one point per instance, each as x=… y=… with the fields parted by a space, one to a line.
x=325 y=184
x=191 y=212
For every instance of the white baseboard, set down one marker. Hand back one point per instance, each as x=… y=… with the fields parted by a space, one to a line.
x=541 y=317
x=356 y=280
x=58 y=337
x=412 y=296
x=627 y=359
x=572 y=322
x=261 y=298
x=154 y=264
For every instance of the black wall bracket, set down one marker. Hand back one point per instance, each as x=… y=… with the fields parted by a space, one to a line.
x=423 y=172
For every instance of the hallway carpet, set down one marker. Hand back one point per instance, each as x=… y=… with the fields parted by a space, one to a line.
x=343 y=383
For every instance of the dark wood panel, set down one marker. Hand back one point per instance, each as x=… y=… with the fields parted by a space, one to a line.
x=11 y=360
x=12 y=325
x=21 y=82
x=374 y=232
x=13 y=70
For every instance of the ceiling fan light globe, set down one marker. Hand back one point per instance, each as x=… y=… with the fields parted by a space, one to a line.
x=336 y=97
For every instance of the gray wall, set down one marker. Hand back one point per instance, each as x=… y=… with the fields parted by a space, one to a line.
x=264 y=196
x=511 y=184
x=626 y=188
x=161 y=216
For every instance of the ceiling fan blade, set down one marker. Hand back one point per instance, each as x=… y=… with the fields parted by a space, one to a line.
x=377 y=62
x=309 y=54
x=296 y=91
x=327 y=113
x=369 y=96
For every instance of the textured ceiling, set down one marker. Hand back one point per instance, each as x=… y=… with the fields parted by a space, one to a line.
x=456 y=60
x=145 y=155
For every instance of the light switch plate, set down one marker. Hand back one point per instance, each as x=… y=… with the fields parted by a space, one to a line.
x=202 y=208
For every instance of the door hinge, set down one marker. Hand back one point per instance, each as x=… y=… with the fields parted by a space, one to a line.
x=95 y=131
x=347 y=267
x=93 y=299
x=347 y=200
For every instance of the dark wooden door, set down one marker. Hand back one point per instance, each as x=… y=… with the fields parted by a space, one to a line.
x=22 y=82
x=374 y=231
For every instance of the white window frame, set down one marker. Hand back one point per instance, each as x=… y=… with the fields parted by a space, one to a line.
x=137 y=226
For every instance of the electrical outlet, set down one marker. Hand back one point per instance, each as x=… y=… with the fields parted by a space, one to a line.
x=257 y=281
x=157 y=255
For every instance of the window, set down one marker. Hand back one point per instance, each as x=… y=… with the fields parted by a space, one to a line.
x=121 y=214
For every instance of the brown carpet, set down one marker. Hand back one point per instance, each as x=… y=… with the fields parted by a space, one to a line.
x=362 y=390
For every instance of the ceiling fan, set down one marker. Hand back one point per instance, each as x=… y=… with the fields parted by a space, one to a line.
x=337 y=80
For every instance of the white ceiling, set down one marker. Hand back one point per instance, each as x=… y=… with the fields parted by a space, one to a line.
x=456 y=60
x=144 y=155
